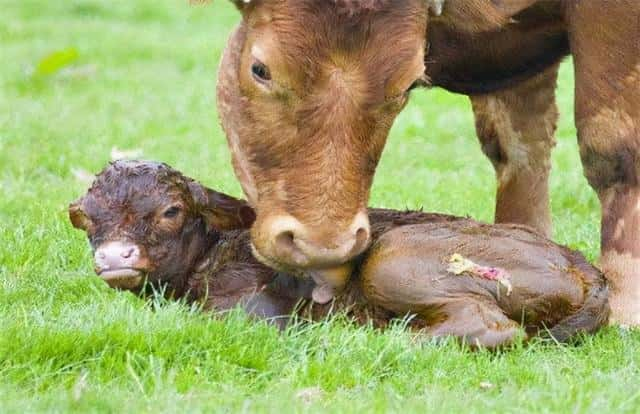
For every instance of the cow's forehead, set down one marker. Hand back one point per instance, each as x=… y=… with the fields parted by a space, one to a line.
x=303 y=40
x=314 y=30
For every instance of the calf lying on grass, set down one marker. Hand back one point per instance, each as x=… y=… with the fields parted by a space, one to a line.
x=146 y=221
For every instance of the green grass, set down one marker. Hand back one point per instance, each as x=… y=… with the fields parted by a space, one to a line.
x=68 y=343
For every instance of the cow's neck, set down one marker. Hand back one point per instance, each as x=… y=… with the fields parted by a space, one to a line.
x=476 y=62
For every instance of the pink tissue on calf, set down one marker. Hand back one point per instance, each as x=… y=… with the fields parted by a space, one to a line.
x=459 y=265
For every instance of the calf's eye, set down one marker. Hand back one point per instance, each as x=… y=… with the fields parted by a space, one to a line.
x=171 y=212
x=260 y=72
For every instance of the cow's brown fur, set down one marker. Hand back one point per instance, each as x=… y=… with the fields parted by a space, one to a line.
x=519 y=146
x=331 y=129
x=479 y=62
x=607 y=61
x=197 y=255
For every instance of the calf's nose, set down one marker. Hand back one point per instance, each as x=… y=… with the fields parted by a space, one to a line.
x=116 y=255
x=293 y=243
x=128 y=252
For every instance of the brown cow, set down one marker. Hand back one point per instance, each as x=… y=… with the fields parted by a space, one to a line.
x=146 y=220
x=308 y=90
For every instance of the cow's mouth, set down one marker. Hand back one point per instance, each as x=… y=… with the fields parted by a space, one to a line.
x=122 y=278
x=279 y=266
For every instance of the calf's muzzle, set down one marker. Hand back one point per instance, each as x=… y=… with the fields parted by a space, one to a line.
x=120 y=264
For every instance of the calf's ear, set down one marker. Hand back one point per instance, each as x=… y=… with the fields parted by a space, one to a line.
x=78 y=217
x=220 y=211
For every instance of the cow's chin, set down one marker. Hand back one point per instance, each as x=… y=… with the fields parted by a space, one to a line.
x=276 y=265
x=125 y=278
x=302 y=272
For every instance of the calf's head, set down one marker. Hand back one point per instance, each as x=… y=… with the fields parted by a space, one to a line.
x=146 y=220
x=307 y=93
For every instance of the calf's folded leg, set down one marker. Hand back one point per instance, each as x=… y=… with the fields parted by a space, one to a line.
x=408 y=278
x=475 y=323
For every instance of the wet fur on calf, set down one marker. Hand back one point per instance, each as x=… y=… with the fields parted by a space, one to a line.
x=165 y=215
x=194 y=241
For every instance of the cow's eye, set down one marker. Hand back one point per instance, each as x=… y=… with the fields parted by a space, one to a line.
x=171 y=212
x=260 y=72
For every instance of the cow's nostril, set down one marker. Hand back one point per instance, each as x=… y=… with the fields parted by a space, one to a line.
x=287 y=245
x=285 y=241
x=362 y=236
x=362 y=240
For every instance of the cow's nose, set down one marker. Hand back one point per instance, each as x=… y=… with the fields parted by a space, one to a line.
x=116 y=255
x=294 y=244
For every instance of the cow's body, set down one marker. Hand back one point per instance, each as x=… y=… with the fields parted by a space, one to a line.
x=510 y=75
x=504 y=55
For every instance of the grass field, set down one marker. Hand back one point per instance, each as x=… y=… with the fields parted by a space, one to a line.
x=144 y=78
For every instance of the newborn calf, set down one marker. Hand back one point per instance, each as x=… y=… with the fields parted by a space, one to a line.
x=484 y=283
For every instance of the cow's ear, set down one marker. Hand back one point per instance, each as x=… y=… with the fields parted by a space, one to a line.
x=78 y=216
x=220 y=211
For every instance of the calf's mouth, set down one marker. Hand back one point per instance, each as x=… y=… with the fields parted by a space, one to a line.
x=121 y=263
x=122 y=278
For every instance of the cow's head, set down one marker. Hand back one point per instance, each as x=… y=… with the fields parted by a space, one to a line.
x=307 y=93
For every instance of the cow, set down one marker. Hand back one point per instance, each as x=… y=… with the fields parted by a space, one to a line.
x=308 y=90
x=152 y=228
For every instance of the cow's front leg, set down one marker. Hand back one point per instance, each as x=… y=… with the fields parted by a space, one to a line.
x=606 y=49
x=516 y=128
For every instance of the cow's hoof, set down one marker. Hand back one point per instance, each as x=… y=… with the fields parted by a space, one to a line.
x=625 y=311
x=623 y=274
